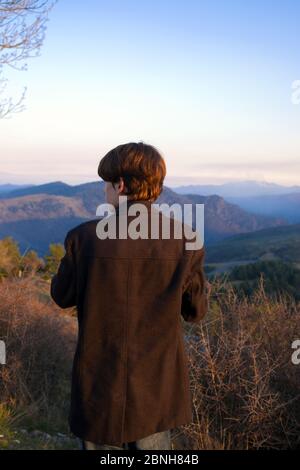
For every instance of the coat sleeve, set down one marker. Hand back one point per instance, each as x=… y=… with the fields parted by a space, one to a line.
x=194 y=304
x=63 y=283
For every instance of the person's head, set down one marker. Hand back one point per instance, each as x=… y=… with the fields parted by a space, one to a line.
x=136 y=170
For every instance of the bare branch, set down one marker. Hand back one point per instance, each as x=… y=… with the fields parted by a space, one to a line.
x=22 y=32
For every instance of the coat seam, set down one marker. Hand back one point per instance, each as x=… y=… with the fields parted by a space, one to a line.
x=125 y=354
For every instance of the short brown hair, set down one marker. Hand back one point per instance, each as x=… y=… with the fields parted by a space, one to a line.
x=140 y=165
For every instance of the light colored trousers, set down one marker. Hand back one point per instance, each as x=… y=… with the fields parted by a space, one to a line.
x=157 y=441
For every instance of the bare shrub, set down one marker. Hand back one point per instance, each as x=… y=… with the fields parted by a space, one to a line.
x=245 y=389
x=39 y=344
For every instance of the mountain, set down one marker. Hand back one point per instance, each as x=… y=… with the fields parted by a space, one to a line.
x=41 y=206
x=7 y=188
x=248 y=188
x=284 y=205
x=57 y=188
x=42 y=214
x=276 y=243
x=222 y=219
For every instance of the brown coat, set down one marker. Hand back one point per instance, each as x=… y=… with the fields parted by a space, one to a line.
x=130 y=373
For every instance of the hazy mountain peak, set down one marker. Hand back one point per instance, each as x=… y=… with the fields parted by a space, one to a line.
x=246 y=188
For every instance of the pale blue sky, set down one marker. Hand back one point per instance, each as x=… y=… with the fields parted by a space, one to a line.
x=207 y=82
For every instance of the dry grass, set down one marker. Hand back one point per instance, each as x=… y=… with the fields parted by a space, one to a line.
x=39 y=342
x=245 y=389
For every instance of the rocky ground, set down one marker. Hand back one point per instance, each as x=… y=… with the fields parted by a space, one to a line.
x=24 y=439
x=34 y=440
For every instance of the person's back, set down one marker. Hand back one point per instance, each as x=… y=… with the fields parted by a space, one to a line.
x=130 y=375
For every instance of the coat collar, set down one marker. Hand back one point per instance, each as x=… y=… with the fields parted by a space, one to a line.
x=129 y=202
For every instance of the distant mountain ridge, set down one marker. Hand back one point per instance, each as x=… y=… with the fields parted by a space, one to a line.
x=246 y=188
x=6 y=188
x=283 y=205
x=266 y=199
x=54 y=208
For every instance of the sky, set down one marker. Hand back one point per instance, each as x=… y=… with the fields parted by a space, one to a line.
x=208 y=83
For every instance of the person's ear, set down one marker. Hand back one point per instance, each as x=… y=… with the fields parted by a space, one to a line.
x=121 y=185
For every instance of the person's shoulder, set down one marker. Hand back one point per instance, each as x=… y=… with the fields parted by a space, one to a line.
x=82 y=230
